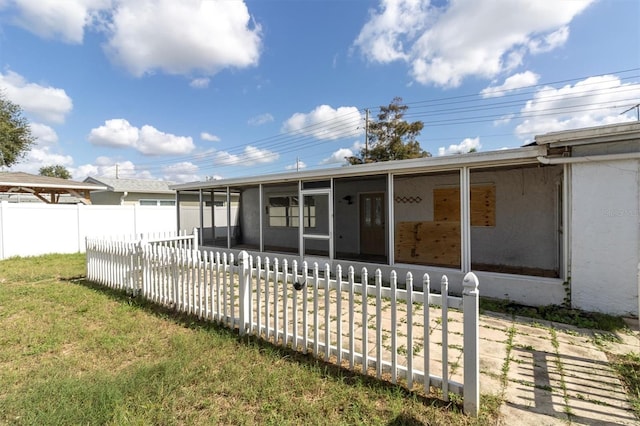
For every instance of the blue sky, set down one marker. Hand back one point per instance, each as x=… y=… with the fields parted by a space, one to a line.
x=189 y=90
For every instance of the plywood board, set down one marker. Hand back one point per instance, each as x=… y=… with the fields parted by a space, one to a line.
x=483 y=205
x=446 y=205
x=428 y=243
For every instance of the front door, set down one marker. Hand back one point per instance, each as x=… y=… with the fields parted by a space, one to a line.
x=372 y=224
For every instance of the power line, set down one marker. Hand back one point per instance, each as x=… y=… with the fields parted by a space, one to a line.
x=465 y=107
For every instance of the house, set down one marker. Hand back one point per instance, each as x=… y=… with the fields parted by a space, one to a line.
x=25 y=187
x=550 y=223
x=143 y=192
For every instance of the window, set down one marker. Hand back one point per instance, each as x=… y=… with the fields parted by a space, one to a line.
x=215 y=203
x=283 y=211
x=148 y=202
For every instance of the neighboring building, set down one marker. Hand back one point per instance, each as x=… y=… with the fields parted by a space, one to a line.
x=143 y=192
x=19 y=187
x=550 y=223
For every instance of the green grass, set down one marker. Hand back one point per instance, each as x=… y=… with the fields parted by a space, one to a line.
x=72 y=352
x=556 y=313
x=628 y=368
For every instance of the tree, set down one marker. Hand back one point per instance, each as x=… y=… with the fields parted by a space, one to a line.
x=55 y=171
x=390 y=137
x=15 y=134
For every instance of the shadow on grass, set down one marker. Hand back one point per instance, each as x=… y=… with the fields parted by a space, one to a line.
x=326 y=369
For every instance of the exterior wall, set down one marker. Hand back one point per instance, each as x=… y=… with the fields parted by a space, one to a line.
x=31 y=229
x=278 y=236
x=250 y=216
x=605 y=236
x=527 y=219
x=105 y=198
x=190 y=218
x=347 y=216
x=525 y=234
x=420 y=186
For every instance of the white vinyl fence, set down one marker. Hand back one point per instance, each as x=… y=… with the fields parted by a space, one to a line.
x=373 y=326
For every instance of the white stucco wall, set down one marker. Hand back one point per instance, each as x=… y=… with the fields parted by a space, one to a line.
x=605 y=235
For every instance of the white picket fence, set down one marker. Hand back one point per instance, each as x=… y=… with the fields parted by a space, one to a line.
x=377 y=328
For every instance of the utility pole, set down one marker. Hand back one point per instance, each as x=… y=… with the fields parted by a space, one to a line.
x=636 y=107
x=116 y=170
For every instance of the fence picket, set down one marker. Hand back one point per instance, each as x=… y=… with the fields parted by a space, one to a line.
x=339 y=312
x=394 y=328
x=426 y=336
x=444 y=292
x=327 y=312
x=211 y=286
x=409 y=284
x=365 y=321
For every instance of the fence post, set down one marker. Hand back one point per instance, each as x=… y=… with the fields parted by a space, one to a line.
x=244 y=272
x=195 y=240
x=470 y=307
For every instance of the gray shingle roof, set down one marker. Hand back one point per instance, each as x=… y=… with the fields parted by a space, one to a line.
x=133 y=185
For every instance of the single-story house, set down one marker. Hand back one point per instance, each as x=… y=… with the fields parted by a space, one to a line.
x=25 y=187
x=553 y=222
x=144 y=192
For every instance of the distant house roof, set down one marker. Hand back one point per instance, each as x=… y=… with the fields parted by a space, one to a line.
x=133 y=185
x=47 y=189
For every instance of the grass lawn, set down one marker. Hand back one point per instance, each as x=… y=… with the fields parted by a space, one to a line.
x=75 y=353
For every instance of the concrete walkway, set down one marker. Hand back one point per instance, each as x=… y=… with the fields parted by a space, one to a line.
x=547 y=373
x=555 y=374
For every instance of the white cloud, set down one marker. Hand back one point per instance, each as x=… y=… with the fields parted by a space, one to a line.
x=178 y=37
x=42 y=155
x=326 y=123
x=298 y=165
x=45 y=102
x=154 y=142
x=249 y=157
x=467 y=145
x=442 y=45
x=200 y=83
x=206 y=136
x=51 y=19
x=43 y=134
x=514 y=82
x=338 y=157
x=505 y=119
x=261 y=119
x=549 y=42
x=181 y=172
x=107 y=167
x=115 y=133
x=148 y=140
x=591 y=102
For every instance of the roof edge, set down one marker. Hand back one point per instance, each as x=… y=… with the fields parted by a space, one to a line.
x=520 y=155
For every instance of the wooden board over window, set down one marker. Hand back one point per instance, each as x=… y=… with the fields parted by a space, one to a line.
x=428 y=243
x=446 y=205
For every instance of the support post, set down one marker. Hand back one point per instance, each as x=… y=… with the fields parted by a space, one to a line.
x=195 y=241
x=244 y=273
x=470 y=308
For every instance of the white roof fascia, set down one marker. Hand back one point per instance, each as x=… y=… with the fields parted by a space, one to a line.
x=591 y=135
x=53 y=186
x=514 y=156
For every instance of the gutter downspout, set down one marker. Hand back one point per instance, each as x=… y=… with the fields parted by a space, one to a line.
x=124 y=195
